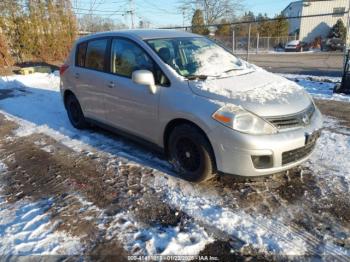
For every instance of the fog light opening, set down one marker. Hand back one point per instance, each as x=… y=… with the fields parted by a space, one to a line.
x=262 y=162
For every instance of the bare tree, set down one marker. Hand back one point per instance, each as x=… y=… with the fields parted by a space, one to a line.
x=144 y=24
x=94 y=23
x=215 y=10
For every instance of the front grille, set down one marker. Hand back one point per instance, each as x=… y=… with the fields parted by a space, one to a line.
x=296 y=120
x=297 y=154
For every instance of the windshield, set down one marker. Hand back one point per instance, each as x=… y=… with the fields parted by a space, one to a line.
x=196 y=56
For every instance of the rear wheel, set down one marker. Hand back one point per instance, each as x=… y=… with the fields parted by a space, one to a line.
x=191 y=153
x=75 y=114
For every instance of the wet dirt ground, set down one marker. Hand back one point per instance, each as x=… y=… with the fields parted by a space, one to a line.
x=316 y=207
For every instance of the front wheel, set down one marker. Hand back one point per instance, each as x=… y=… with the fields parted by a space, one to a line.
x=191 y=154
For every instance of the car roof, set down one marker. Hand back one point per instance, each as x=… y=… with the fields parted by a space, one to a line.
x=143 y=34
x=293 y=42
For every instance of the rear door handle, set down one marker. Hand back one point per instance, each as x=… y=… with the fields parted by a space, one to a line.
x=111 y=85
x=77 y=75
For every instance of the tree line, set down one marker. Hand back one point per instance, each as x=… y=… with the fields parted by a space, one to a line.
x=36 y=30
x=260 y=24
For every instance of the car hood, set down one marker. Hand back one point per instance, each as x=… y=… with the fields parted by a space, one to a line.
x=260 y=92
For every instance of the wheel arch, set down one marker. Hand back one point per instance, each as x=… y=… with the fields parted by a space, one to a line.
x=180 y=121
x=66 y=94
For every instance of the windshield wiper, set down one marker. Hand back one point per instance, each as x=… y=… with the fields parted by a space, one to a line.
x=195 y=77
x=233 y=69
x=205 y=77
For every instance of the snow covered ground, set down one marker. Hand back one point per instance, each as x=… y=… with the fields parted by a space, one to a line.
x=34 y=103
x=26 y=229
x=319 y=87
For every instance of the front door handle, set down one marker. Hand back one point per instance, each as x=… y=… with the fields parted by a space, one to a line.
x=111 y=85
x=76 y=75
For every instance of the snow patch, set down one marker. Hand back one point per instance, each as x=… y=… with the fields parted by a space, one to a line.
x=214 y=61
x=3 y=167
x=331 y=156
x=267 y=235
x=319 y=87
x=25 y=229
x=257 y=87
x=139 y=239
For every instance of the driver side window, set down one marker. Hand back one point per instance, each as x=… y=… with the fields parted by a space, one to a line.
x=127 y=57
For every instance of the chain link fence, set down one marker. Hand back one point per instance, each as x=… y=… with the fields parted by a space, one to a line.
x=254 y=44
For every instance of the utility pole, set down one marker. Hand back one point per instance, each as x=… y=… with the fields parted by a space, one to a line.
x=206 y=12
x=132 y=13
x=233 y=41
x=248 y=44
x=347 y=38
x=183 y=16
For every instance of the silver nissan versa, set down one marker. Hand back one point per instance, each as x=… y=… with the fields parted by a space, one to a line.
x=209 y=111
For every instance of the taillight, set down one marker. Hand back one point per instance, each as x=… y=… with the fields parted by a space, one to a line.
x=63 y=69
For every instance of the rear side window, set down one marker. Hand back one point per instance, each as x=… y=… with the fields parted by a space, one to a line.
x=95 y=54
x=81 y=52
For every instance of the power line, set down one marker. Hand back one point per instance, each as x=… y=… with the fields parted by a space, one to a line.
x=261 y=20
x=95 y=10
x=159 y=8
x=148 y=7
x=108 y=15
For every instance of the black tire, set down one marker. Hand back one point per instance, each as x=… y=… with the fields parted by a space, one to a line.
x=191 y=154
x=336 y=89
x=75 y=114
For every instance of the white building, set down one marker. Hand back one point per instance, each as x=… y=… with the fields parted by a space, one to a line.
x=309 y=28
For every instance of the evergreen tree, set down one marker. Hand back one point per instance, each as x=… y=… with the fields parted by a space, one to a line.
x=248 y=17
x=67 y=27
x=280 y=26
x=338 y=30
x=38 y=29
x=224 y=29
x=264 y=26
x=5 y=56
x=243 y=29
x=198 y=26
x=10 y=13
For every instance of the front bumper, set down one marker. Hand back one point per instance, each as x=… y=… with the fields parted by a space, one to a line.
x=234 y=150
x=298 y=49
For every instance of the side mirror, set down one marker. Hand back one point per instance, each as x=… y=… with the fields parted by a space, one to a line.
x=144 y=77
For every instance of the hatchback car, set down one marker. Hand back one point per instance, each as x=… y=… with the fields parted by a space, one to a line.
x=209 y=111
x=296 y=46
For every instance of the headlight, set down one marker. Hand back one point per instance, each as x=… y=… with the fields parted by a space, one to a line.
x=243 y=121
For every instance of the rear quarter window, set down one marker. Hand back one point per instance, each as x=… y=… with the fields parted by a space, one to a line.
x=81 y=52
